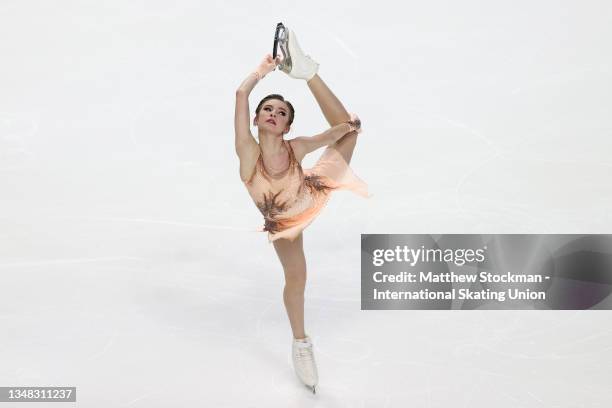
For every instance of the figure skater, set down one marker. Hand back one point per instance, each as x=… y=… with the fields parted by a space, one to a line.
x=288 y=196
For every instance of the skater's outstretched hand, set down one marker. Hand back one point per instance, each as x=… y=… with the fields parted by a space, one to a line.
x=268 y=64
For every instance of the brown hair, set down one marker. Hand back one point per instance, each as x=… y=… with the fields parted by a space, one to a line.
x=280 y=98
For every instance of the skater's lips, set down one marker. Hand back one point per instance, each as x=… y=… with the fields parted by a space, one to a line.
x=271 y=121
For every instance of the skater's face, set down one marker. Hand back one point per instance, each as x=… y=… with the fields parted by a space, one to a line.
x=273 y=116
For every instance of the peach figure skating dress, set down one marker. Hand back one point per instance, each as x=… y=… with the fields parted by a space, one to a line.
x=290 y=201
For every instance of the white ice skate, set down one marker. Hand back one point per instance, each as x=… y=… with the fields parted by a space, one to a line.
x=295 y=63
x=304 y=363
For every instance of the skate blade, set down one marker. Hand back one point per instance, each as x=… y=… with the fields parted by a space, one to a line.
x=279 y=36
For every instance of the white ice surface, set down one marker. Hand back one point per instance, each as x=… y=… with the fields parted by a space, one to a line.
x=129 y=267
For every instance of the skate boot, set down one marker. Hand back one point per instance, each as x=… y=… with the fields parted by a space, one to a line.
x=304 y=363
x=295 y=63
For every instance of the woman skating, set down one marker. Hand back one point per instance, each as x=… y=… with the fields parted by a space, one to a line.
x=288 y=196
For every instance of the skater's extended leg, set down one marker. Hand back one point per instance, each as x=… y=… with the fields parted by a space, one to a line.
x=330 y=105
x=291 y=255
x=335 y=113
x=301 y=66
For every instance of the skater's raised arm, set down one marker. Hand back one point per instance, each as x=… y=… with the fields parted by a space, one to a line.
x=246 y=145
x=305 y=144
x=242 y=128
x=241 y=116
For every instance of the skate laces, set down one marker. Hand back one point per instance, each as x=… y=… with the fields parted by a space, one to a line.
x=304 y=354
x=303 y=350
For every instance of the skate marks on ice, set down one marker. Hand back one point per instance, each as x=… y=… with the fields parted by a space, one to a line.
x=490 y=356
x=16 y=133
x=109 y=343
x=342 y=44
x=48 y=262
x=473 y=376
x=577 y=74
x=501 y=167
x=489 y=149
x=154 y=125
x=161 y=222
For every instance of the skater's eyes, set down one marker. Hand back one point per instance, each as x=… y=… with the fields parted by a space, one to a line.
x=267 y=109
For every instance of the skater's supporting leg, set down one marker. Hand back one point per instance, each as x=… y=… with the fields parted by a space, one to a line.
x=335 y=113
x=291 y=255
